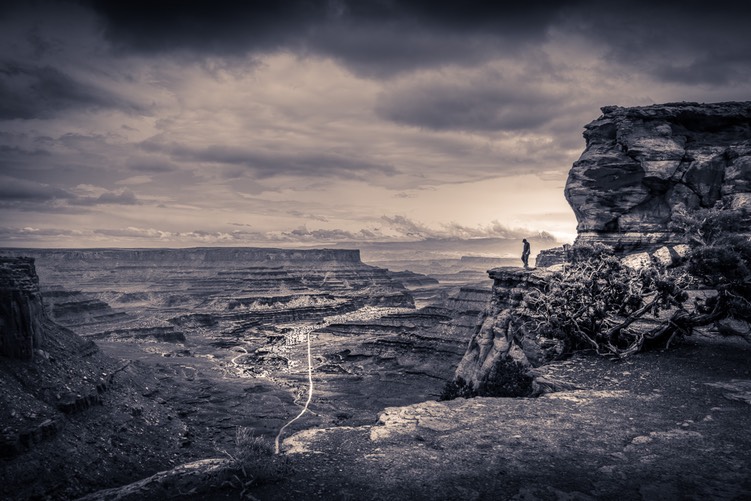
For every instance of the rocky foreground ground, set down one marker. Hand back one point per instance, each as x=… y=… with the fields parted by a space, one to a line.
x=660 y=425
x=671 y=425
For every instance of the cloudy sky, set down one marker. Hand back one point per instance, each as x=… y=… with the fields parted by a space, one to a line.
x=267 y=122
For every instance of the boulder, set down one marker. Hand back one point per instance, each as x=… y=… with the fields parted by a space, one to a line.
x=637 y=261
x=663 y=256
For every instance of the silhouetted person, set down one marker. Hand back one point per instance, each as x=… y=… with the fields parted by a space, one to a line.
x=525 y=253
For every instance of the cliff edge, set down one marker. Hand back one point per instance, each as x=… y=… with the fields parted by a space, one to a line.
x=21 y=310
x=72 y=420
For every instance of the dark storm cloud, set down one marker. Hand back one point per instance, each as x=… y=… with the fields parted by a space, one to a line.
x=29 y=91
x=692 y=41
x=151 y=166
x=269 y=164
x=371 y=37
x=466 y=106
x=20 y=190
x=22 y=193
x=384 y=37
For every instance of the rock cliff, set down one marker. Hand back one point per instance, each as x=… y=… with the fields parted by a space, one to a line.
x=67 y=410
x=21 y=309
x=502 y=351
x=641 y=164
x=640 y=167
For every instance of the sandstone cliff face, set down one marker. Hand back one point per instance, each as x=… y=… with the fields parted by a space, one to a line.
x=641 y=164
x=21 y=309
x=502 y=350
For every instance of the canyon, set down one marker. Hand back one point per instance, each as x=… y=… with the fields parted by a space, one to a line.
x=176 y=349
x=215 y=338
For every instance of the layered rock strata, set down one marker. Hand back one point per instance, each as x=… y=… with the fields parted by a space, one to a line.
x=502 y=351
x=643 y=164
x=641 y=167
x=66 y=409
x=21 y=309
x=167 y=294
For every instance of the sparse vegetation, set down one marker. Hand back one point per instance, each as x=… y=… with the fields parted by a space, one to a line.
x=720 y=258
x=507 y=379
x=599 y=303
x=457 y=388
x=255 y=462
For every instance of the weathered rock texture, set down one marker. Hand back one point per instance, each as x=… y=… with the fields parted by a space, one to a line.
x=641 y=164
x=71 y=419
x=21 y=309
x=640 y=167
x=502 y=351
x=649 y=427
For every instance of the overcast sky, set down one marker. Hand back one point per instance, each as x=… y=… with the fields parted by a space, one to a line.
x=314 y=122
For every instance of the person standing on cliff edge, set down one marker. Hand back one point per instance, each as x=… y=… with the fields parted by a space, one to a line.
x=525 y=253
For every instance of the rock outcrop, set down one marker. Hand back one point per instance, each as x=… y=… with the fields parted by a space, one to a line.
x=647 y=428
x=641 y=164
x=21 y=309
x=502 y=351
x=67 y=411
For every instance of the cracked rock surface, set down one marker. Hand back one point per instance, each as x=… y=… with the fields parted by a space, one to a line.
x=641 y=163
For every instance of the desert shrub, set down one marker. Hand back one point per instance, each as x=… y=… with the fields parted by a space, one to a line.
x=507 y=378
x=255 y=462
x=597 y=302
x=457 y=388
x=720 y=258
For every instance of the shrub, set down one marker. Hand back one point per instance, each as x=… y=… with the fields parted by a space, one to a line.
x=457 y=388
x=256 y=462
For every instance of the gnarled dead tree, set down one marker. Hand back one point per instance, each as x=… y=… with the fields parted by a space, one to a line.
x=597 y=302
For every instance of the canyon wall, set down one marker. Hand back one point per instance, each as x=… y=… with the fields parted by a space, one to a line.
x=215 y=322
x=21 y=309
x=71 y=418
x=642 y=164
x=164 y=293
x=502 y=351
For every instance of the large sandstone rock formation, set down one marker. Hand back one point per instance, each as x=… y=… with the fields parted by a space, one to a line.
x=640 y=167
x=641 y=164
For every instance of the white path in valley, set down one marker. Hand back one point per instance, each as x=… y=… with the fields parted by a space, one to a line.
x=301 y=333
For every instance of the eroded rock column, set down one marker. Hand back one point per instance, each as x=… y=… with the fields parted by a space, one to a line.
x=21 y=310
